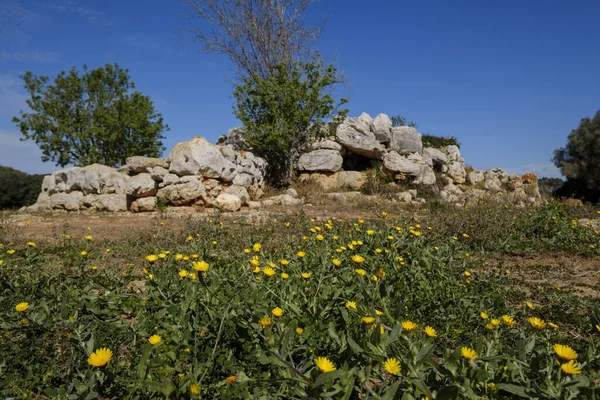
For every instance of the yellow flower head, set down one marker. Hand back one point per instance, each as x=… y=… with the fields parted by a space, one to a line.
x=83 y=253
x=154 y=339
x=100 y=357
x=183 y=273
x=200 y=266
x=368 y=320
x=151 y=258
x=392 y=366
x=194 y=389
x=265 y=321
x=284 y=275
x=324 y=364
x=299 y=331
x=357 y=258
x=320 y=237
x=565 y=352
x=430 y=332
x=495 y=322
x=350 y=304
x=490 y=326
x=468 y=353
x=379 y=313
x=336 y=262
x=306 y=275
x=1 y=262
x=284 y=262
x=415 y=233
x=467 y=273
x=370 y=232
x=31 y=244
x=231 y=379
x=537 y=323
x=571 y=368
x=268 y=271
x=507 y=320
x=277 y=311
x=464 y=235
x=360 y=271
x=529 y=305
x=409 y=326
x=246 y=251
x=483 y=315
x=552 y=325
x=10 y=252
x=256 y=247
x=301 y=254
x=88 y=237
x=22 y=307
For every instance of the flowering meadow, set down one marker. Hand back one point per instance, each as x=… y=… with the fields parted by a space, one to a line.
x=302 y=308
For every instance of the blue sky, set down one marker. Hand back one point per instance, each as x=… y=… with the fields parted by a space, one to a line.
x=509 y=79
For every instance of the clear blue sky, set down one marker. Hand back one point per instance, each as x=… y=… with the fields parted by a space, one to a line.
x=509 y=78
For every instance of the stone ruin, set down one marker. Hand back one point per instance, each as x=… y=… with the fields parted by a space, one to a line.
x=202 y=174
x=339 y=163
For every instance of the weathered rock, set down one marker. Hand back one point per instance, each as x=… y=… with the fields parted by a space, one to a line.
x=139 y=164
x=457 y=172
x=254 y=204
x=326 y=181
x=475 y=196
x=186 y=190
x=396 y=163
x=474 y=177
x=358 y=141
x=228 y=202
x=382 y=128
x=343 y=196
x=199 y=157
x=353 y=180
x=255 y=192
x=531 y=189
x=141 y=185
x=145 y=204
x=453 y=153
x=92 y=179
x=240 y=192
x=514 y=184
x=324 y=144
x=435 y=158
x=228 y=152
x=321 y=160
x=406 y=139
x=233 y=137
x=529 y=178
x=292 y=192
x=168 y=179
x=404 y=197
x=65 y=201
x=158 y=173
x=285 y=200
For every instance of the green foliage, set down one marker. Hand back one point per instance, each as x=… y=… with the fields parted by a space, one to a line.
x=90 y=118
x=210 y=323
x=579 y=160
x=549 y=186
x=285 y=111
x=18 y=189
x=439 y=141
x=399 y=120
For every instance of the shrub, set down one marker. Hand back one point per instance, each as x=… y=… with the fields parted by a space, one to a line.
x=439 y=142
x=18 y=189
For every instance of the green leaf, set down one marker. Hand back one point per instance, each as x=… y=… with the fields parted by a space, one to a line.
x=327 y=377
x=333 y=334
x=354 y=346
x=449 y=392
x=391 y=391
x=146 y=350
x=424 y=353
x=513 y=389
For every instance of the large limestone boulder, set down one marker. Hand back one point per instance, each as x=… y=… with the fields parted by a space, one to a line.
x=92 y=179
x=405 y=139
x=141 y=185
x=359 y=141
x=228 y=202
x=187 y=190
x=199 y=157
x=111 y=202
x=324 y=144
x=435 y=158
x=456 y=171
x=475 y=177
x=145 y=204
x=352 y=180
x=382 y=128
x=320 y=160
x=414 y=166
x=65 y=201
x=240 y=192
x=139 y=164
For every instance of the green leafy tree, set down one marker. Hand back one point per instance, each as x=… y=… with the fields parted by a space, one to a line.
x=579 y=160
x=399 y=120
x=95 y=117
x=285 y=111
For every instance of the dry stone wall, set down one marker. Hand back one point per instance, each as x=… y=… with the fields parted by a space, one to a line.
x=196 y=173
x=339 y=163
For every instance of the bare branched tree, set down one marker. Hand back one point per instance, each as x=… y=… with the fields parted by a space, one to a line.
x=256 y=35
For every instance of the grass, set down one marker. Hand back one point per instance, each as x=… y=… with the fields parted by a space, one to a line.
x=211 y=293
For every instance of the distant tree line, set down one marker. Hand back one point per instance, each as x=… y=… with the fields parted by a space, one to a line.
x=18 y=189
